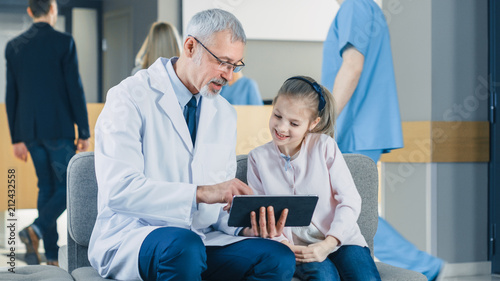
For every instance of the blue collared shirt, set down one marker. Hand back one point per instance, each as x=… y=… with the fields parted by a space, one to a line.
x=183 y=96
x=181 y=92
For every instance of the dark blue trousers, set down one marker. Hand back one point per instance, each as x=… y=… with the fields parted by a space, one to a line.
x=51 y=158
x=172 y=253
x=348 y=263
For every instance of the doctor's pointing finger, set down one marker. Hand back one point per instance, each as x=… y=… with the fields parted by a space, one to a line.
x=222 y=192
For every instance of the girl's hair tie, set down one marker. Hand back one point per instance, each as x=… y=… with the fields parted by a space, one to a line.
x=317 y=89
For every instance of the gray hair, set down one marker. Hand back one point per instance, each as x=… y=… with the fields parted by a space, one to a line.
x=206 y=23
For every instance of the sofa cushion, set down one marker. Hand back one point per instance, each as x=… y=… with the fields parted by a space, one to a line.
x=392 y=273
x=87 y=274
x=37 y=272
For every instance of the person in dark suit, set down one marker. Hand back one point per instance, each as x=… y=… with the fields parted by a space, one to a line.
x=44 y=101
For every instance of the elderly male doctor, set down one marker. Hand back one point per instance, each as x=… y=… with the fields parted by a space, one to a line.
x=165 y=161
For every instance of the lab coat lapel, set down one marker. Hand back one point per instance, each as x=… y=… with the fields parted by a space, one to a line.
x=168 y=101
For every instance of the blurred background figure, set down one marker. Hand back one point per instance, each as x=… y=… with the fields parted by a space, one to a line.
x=242 y=90
x=162 y=41
x=44 y=101
x=358 y=69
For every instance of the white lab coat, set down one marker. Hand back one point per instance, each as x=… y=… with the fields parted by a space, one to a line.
x=147 y=170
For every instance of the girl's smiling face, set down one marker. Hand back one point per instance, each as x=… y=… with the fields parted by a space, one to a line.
x=290 y=121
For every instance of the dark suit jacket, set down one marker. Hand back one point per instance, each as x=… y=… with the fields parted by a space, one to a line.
x=44 y=96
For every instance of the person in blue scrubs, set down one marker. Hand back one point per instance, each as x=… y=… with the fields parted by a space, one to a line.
x=358 y=70
x=242 y=90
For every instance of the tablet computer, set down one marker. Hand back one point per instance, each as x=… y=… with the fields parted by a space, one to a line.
x=300 y=208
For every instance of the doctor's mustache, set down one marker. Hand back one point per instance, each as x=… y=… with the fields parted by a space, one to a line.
x=221 y=81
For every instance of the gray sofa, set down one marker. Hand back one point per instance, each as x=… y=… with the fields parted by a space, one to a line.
x=36 y=273
x=82 y=212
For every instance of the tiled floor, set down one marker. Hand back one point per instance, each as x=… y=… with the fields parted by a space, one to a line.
x=474 y=278
x=19 y=262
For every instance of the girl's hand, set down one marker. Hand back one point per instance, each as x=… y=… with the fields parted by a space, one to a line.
x=294 y=248
x=266 y=228
x=316 y=252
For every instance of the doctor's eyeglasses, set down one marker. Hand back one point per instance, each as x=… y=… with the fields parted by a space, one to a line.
x=223 y=65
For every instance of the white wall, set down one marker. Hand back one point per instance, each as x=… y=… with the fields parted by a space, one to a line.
x=440 y=56
x=460 y=60
x=85 y=33
x=170 y=11
x=290 y=20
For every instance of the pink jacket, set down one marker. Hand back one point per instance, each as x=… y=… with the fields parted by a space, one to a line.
x=319 y=169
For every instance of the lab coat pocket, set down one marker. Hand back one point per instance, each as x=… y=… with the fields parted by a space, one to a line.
x=213 y=159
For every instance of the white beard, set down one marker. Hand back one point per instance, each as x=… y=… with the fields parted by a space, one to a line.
x=207 y=93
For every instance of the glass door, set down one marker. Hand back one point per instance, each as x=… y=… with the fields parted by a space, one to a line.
x=494 y=166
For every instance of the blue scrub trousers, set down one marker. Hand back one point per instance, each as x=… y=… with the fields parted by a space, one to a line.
x=349 y=262
x=392 y=248
x=50 y=158
x=172 y=253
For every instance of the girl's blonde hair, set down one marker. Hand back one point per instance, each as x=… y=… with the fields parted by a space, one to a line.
x=308 y=90
x=162 y=41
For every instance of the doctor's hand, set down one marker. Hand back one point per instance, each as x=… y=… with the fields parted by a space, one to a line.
x=222 y=192
x=20 y=151
x=266 y=228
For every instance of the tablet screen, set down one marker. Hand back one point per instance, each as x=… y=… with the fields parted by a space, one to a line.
x=300 y=208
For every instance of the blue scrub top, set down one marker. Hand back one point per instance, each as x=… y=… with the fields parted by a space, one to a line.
x=242 y=92
x=371 y=118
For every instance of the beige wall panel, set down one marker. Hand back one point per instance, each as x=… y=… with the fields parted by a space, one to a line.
x=449 y=142
x=460 y=141
x=253 y=127
x=417 y=148
x=25 y=178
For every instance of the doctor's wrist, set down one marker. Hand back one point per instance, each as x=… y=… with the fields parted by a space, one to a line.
x=200 y=190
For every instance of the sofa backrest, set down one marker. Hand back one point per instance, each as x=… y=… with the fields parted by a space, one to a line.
x=82 y=197
x=365 y=174
x=82 y=207
x=82 y=200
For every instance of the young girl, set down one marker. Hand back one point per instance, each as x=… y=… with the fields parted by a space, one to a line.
x=303 y=158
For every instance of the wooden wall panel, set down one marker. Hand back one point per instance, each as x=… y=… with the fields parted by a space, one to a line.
x=417 y=146
x=253 y=127
x=25 y=185
x=460 y=142
x=440 y=142
x=26 y=180
x=424 y=141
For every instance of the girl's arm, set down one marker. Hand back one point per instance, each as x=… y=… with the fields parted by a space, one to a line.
x=344 y=192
